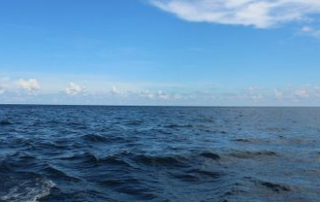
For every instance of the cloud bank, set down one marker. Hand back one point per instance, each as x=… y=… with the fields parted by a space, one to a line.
x=256 y=13
x=29 y=91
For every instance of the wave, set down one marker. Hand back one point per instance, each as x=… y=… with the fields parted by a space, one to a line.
x=118 y=182
x=157 y=154
x=210 y=155
x=58 y=174
x=136 y=188
x=178 y=126
x=95 y=138
x=87 y=158
x=138 y=192
x=134 y=123
x=197 y=175
x=185 y=177
x=17 y=160
x=272 y=186
x=27 y=189
x=252 y=154
x=275 y=187
x=243 y=140
x=5 y=123
x=176 y=161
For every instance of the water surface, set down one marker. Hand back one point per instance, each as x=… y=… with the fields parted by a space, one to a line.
x=159 y=154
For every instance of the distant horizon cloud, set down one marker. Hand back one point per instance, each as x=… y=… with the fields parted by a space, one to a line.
x=116 y=91
x=74 y=89
x=257 y=13
x=10 y=92
x=31 y=86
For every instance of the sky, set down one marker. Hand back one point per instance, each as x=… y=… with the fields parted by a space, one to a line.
x=160 y=52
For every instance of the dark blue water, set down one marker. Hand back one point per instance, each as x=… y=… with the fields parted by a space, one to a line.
x=61 y=153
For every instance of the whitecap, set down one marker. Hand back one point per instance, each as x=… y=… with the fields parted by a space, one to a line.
x=29 y=191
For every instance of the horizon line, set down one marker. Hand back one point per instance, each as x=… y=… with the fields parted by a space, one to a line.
x=169 y=106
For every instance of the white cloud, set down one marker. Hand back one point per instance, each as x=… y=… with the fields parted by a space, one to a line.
x=74 y=89
x=30 y=86
x=254 y=93
x=297 y=93
x=14 y=91
x=301 y=93
x=160 y=95
x=257 y=13
x=147 y=94
x=116 y=91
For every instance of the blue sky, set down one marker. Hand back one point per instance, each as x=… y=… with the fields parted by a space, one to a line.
x=160 y=52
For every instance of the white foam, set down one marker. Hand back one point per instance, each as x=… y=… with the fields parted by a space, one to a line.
x=29 y=191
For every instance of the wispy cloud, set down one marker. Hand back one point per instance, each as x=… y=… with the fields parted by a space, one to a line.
x=256 y=13
x=311 y=31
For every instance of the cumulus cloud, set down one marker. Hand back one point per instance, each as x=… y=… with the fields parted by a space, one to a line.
x=257 y=13
x=74 y=89
x=30 y=86
x=14 y=91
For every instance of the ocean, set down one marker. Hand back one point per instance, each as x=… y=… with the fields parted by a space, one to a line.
x=159 y=154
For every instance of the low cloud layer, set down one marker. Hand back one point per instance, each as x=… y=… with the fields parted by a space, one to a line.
x=23 y=91
x=256 y=13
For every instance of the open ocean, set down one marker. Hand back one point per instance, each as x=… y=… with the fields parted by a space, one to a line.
x=159 y=154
